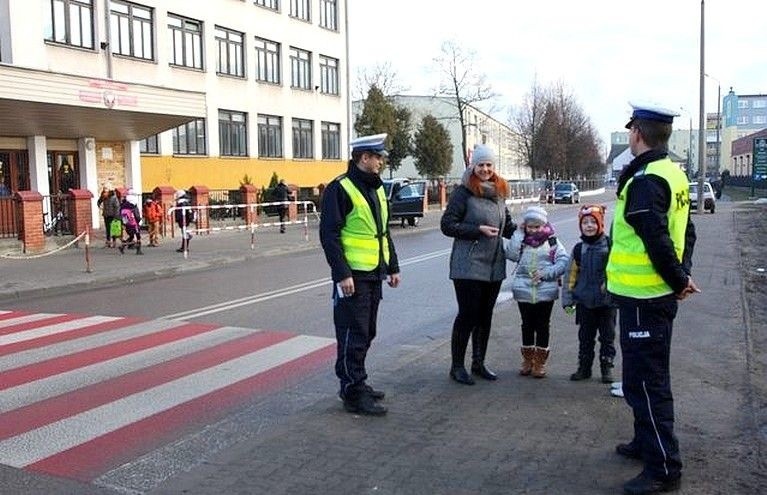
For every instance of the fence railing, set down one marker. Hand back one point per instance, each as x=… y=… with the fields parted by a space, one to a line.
x=9 y=221
x=56 y=212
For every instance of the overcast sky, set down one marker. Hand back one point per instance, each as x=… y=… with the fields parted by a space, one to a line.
x=606 y=52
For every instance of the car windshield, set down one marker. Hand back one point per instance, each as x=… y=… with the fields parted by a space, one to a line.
x=563 y=187
x=387 y=188
x=693 y=189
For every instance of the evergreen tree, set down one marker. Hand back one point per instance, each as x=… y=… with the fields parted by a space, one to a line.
x=379 y=115
x=432 y=149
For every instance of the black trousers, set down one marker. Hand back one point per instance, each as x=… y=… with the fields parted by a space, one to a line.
x=282 y=211
x=646 y=329
x=476 y=300
x=535 y=322
x=355 y=321
x=599 y=320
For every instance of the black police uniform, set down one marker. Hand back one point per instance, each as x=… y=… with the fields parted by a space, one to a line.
x=354 y=316
x=646 y=375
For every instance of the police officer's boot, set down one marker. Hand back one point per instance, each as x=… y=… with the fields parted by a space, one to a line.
x=540 y=357
x=138 y=248
x=362 y=403
x=606 y=367
x=479 y=338
x=583 y=372
x=458 y=343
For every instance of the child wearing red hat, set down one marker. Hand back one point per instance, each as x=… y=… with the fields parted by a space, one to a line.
x=584 y=291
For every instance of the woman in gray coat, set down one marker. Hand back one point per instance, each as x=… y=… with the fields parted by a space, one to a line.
x=476 y=217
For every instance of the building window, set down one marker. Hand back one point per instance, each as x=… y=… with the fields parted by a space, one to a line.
x=760 y=119
x=269 y=4
x=269 y=136
x=189 y=138
x=149 y=145
x=132 y=30
x=233 y=133
x=329 y=14
x=70 y=22
x=300 y=68
x=760 y=103
x=300 y=10
x=742 y=103
x=328 y=75
x=267 y=61
x=303 y=138
x=331 y=140
x=743 y=120
x=186 y=40
x=231 y=53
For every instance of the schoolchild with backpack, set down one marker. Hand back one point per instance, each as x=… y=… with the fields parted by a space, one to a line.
x=584 y=292
x=130 y=216
x=184 y=217
x=541 y=260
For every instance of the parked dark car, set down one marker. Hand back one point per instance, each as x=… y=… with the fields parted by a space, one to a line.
x=406 y=199
x=566 y=192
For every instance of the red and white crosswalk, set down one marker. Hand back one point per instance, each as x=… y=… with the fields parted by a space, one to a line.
x=80 y=395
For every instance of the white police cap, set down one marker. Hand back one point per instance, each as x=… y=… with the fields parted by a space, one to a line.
x=651 y=112
x=372 y=144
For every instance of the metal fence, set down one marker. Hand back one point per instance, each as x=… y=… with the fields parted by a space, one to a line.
x=56 y=213
x=9 y=221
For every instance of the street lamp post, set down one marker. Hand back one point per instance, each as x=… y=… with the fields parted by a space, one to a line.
x=702 y=116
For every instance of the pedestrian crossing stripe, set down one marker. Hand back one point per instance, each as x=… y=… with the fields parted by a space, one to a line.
x=84 y=394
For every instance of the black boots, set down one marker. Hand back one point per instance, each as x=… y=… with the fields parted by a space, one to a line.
x=583 y=372
x=479 y=339
x=645 y=484
x=458 y=342
x=606 y=367
x=363 y=403
x=138 y=248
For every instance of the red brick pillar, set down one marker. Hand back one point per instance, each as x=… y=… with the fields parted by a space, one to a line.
x=201 y=197
x=249 y=197
x=80 y=210
x=164 y=195
x=30 y=220
x=292 y=207
x=442 y=195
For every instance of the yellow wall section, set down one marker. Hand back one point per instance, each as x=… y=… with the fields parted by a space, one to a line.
x=227 y=173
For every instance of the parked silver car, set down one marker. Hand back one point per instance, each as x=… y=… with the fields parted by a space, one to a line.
x=566 y=192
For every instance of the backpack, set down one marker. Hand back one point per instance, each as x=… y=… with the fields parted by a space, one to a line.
x=128 y=218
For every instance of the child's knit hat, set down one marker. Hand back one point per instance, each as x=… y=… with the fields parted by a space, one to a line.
x=595 y=211
x=536 y=215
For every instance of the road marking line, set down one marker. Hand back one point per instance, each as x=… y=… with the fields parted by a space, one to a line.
x=41 y=443
x=54 y=329
x=60 y=383
x=26 y=319
x=286 y=291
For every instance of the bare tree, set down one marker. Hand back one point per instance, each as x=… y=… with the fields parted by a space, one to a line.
x=462 y=83
x=382 y=76
x=525 y=122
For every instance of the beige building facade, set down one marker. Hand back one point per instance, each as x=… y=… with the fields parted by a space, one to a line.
x=111 y=93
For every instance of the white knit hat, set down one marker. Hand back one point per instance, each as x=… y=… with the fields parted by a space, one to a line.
x=482 y=153
x=535 y=215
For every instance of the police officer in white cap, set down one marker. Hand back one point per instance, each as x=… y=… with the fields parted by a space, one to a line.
x=355 y=237
x=648 y=272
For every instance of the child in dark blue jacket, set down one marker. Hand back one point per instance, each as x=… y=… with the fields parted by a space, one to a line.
x=584 y=292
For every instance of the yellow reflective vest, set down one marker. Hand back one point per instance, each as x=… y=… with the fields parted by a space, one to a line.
x=630 y=272
x=360 y=238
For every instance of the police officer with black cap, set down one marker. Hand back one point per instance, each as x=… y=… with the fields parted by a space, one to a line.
x=355 y=237
x=648 y=272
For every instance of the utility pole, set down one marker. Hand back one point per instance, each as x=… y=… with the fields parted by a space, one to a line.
x=702 y=116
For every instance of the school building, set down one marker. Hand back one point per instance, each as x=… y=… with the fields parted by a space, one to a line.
x=111 y=93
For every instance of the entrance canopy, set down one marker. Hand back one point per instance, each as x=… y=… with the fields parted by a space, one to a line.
x=39 y=103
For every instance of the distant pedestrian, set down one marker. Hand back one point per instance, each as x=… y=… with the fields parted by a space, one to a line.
x=131 y=219
x=354 y=232
x=110 y=210
x=282 y=194
x=648 y=272
x=476 y=218
x=153 y=216
x=584 y=292
x=184 y=217
x=541 y=260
